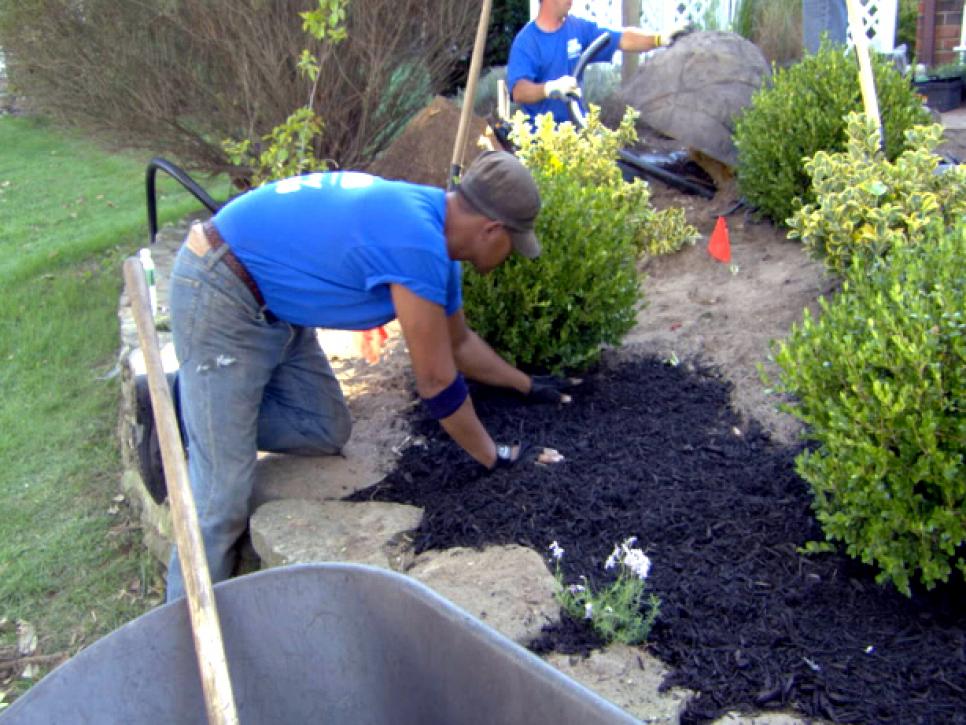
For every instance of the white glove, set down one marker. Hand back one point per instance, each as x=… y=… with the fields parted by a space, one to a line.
x=561 y=88
x=665 y=39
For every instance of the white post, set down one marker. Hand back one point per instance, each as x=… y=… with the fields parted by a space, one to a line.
x=866 y=79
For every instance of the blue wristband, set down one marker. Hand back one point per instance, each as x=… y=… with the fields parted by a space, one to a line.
x=448 y=400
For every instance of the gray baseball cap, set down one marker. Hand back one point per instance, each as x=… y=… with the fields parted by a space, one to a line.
x=501 y=188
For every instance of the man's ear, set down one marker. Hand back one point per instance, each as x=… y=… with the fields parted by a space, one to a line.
x=491 y=225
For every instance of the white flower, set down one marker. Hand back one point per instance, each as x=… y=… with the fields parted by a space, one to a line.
x=556 y=550
x=629 y=542
x=576 y=588
x=588 y=610
x=613 y=559
x=637 y=561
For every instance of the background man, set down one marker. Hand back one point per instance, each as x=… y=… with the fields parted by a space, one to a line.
x=544 y=55
x=341 y=250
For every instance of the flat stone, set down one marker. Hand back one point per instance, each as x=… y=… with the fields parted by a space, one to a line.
x=628 y=677
x=315 y=478
x=297 y=532
x=507 y=587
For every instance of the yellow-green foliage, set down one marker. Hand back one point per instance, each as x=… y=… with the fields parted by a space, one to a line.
x=866 y=204
x=588 y=157
x=879 y=378
x=555 y=312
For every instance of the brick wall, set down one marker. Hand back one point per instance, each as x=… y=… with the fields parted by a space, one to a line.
x=938 y=31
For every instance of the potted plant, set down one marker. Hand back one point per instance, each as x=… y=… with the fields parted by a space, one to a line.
x=941 y=86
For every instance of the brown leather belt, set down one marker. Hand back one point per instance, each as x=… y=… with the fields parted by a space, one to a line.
x=234 y=264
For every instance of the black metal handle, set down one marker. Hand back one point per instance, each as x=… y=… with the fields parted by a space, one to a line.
x=156 y=164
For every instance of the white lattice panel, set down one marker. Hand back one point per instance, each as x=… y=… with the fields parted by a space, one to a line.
x=656 y=15
x=879 y=23
x=879 y=17
x=606 y=13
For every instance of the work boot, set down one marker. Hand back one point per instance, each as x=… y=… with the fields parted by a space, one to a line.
x=148 y=446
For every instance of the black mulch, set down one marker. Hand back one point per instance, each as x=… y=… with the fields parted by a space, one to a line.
x=746 y=620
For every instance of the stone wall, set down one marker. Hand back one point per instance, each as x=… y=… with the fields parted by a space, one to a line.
x=155 y=518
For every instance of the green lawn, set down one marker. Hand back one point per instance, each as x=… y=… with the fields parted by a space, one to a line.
x=71 y=561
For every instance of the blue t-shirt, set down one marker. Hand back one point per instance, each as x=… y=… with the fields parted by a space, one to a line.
x=539 y=56
x=324 y=248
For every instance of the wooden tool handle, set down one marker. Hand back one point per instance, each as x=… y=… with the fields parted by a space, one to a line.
x=205 y=626
x=459 y=148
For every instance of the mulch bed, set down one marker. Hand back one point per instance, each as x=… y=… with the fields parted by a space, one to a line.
x=747 y=621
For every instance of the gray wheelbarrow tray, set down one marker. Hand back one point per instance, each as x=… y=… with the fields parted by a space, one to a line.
x=316 y=643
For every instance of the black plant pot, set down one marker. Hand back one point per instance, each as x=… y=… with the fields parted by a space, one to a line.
x=942 y=94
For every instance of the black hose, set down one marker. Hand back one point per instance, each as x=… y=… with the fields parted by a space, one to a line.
x=668 y=177
x=156 y=164
x=576 y=112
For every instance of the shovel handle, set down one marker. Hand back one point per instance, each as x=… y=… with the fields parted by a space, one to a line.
x=459 y=148
x=205 y=626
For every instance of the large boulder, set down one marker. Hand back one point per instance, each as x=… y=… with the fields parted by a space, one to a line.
x=692 y=90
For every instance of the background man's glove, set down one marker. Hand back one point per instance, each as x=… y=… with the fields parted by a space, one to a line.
x=665 y=39
x=550 y=389
x=561 y=87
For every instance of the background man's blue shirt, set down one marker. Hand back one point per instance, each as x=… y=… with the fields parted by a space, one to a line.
x=539 y=56
x=324 y=248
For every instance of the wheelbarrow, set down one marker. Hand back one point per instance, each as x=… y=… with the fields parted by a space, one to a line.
x=312 y=643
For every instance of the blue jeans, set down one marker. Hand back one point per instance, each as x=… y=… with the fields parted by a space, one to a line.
x=247 y=383
x=824 y=16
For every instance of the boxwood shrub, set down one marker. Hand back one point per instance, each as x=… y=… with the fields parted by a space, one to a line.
x=879 y=378
x=802 y=112
x=554 y=313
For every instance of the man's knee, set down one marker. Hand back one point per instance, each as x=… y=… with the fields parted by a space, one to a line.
x=341 y=428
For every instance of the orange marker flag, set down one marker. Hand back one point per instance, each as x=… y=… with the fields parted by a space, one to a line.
x=371 y=343
x=719 y=246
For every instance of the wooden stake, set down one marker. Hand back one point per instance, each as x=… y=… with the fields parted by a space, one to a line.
x=459 y=149
x=205 y=626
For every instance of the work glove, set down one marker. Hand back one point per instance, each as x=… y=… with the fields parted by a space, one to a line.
x=561 y=88
x=667 y=39
x=550 y=389
x=509 y=455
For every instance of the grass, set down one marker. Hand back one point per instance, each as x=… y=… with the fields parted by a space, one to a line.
x=71 y=561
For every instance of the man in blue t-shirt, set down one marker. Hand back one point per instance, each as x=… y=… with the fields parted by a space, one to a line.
x=342 y=250
x=544 y=54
